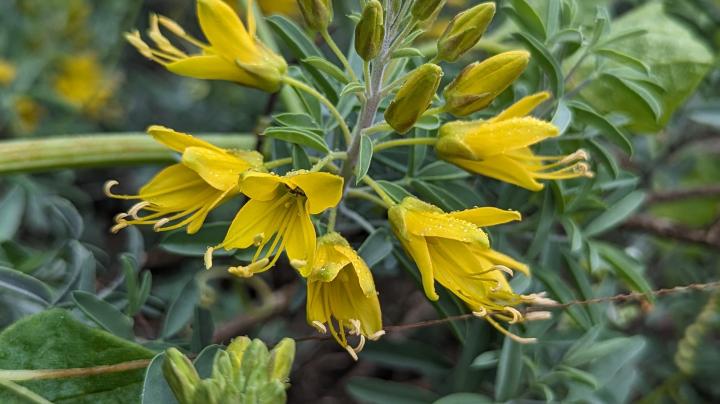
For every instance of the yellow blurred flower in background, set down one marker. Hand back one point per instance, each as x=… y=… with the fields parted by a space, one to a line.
x=7 y=72
x=28 y=113
x=82 y=83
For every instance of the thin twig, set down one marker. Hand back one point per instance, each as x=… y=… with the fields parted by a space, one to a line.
x=675 y=231
x=687 y=193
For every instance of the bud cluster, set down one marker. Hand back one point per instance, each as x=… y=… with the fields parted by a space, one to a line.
x=246 y=372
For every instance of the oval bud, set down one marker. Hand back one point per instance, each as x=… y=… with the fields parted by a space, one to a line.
x=424 y=9
x=181 y=375
x=479 y=83
x=281 y=359
x=318 y=14
x=414 y=97
x=370 y=31
x=464 y=30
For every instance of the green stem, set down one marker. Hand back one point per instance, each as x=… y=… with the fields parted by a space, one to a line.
x=334 y=48
x=379 y=190
x=333 y=111
x=278 y=163
x=356 y=193
x=98 y=150
x=332 y=219
x=321 y=163
x=405 y=142
x=377 y=128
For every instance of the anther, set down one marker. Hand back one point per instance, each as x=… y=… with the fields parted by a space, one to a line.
x=160 y=223
x=504 y=269
x=540 y=299
x=120 y=217
x=107 y=187
x=319 y=326
x=361 y=344
x=516 y=315
x=135 y=209
x=118 y=227
x=171 y=25
x=356 y=327
x=480 y=313
x=351 y=352
x=584 y=170
x=537 y=316
x=376 y=335
x=207 y=257
x=579 y=154
x=298 y=264
x=136 y=41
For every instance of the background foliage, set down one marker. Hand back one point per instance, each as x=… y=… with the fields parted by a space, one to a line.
x=635 y=83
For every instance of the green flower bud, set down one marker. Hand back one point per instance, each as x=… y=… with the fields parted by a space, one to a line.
x=281 y=359
x=414 y=97
x=181 y=375
x=479 y=83
x=318 y=14
x=424 y=9
x=237 y=349
x=464 y=30
x=209 y=391
x=222 y=367
x=370 y=31
x=272 y=392
x=254 y=364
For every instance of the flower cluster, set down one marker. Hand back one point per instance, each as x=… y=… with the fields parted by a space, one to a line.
x=282 y=211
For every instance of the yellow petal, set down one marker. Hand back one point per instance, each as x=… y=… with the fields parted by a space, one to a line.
x=261 y=186
x=255 y=217
x=177 y=141
x=499 y=137
x=361 y=269
x=224 y=30
x=301 y=238
x=210 y=67
x=431 y=224
x=486 y=216
x=417 y=248
x=317 y=309
x=175 y=187
x=323 y=190
x=523 y=106
x=498 y=258
x=217 y=168
x=502 y=168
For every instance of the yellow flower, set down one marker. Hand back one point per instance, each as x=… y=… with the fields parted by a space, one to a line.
x=7 y=72
x=287 y=8
x=184 y=193
x=234 y=52
x=450 y=248
x=341 y=287
x=28 y=113
x=277 y=218
x=499 y=147
x=83 y=84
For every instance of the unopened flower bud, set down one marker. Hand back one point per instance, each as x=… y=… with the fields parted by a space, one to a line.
x=281 y=359
x=318 y=14
x=464 y=30
x=424 y=9
x=237 y=349
x=370 y=31
x=479 y=83
x=209 y=391
x=180 y=375
x=414 y=97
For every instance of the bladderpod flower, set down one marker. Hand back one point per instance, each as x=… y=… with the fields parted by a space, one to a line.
x=184 y=193
x=452 y=249
x=499 y=147
x=277 y=218
x=341 y=294
x=234 y=52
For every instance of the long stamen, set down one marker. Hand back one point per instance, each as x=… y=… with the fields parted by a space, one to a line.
x=176 y=29
x=207 y=257
x=248 y=270
x=537 y=316
x=507 y=333
x=319 y=326
x=160 y=40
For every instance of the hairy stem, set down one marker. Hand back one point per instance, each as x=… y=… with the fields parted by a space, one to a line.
x=405 y=142
x=338 y=53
